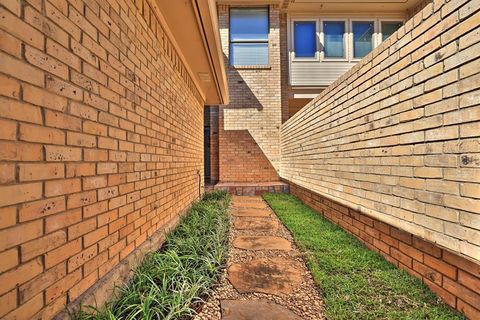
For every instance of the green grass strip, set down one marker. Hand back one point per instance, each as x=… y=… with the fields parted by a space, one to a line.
x=356 y=283
x=169 y=282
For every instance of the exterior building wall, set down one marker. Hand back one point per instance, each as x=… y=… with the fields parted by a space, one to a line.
x=396 y=137
x=249 y=127
x=101 y=148
x=311 y=77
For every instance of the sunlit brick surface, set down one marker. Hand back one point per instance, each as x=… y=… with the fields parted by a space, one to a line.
x=249 y=127
x=101 y=139
x=397 y=137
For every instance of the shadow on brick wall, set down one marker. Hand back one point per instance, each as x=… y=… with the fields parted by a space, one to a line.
x=249 y=126
x=242 y=159
x=242 y=96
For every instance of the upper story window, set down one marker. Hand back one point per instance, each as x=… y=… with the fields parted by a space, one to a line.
x=362 y=38
x=334 y=39
x=338 y=39
x=322 y=48
x=389 y=28
x=305 y=39
x=249 y=36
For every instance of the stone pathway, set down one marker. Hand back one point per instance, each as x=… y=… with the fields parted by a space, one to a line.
x=266 y=276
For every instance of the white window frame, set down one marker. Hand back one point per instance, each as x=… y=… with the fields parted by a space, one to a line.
x=348 y=36
x=230 y=42
x=317 y=39
x=345 y=40
x=380 y=31
x=375 y=41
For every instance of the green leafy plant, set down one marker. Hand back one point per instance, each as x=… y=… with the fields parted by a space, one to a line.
x=170 y=283
x=356 y=283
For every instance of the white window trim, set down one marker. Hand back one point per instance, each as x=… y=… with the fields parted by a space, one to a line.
x=345 y=41
x=348 y=38
x=375 y=38
x=380 y=31
x=317 y=40
x=230 y=42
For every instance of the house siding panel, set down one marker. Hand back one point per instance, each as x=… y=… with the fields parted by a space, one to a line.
x=308 y=74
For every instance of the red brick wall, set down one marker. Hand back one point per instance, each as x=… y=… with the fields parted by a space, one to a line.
x=101 y=139
x=249 y=127
x=453 y=278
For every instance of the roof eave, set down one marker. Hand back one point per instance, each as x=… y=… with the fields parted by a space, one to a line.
x=208 y=24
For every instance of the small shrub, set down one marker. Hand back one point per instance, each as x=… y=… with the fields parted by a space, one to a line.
x=171 y=282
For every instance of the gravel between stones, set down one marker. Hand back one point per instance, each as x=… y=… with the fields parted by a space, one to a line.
x=305 y=300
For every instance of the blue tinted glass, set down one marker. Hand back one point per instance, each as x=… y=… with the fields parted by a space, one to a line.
x=362 y=38
x=389 y=28
x=249 y=54
x=334 y=32
x=305 y=38
x=249 y=24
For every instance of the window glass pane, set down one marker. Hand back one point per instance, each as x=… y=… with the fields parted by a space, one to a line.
x=305 y=38
x=334 y=33
x=362 y=38
x=389 y=28
x=248 y=24
x=249 y=54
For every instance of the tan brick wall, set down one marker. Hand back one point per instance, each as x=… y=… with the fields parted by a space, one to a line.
x=397 y=137
x=101 y=139
x=249 y=127
x=417 y=8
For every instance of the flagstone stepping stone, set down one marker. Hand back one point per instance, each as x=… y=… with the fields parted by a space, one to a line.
x=250 y=212
x=255 y=224
x=246 y=198
x=273 y=276
x=255 y=310
x=249 y=204
x=261 y=243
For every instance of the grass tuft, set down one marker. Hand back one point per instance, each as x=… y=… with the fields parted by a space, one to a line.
x=171 y=282
x=356 y=283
